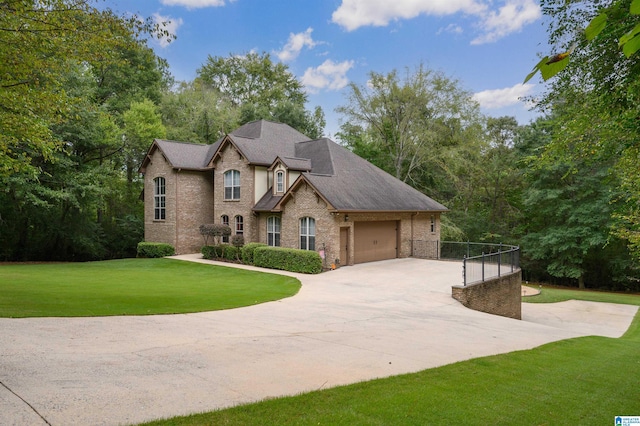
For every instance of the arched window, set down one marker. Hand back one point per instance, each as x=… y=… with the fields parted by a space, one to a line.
x=273 y=231
x=308 y=233
x=280 y=181
x=232 y=185
x=159 y=199
x=239 y=225
x=225 y=221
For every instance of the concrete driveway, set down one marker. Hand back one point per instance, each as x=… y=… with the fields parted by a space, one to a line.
x=353 y=324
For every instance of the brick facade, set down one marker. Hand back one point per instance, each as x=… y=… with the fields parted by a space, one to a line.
x=499 y=296
x=230 y=159
x=189 y=202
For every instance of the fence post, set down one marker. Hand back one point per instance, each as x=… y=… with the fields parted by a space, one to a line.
x=499 y=258
x=482 y=266
x=464 y=270
x=438 y=249
x=468 y=248
x=513 y=252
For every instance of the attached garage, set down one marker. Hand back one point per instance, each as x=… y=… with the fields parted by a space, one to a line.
x=375 y=241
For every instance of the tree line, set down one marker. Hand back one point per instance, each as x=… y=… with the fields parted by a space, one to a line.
x=82 y=96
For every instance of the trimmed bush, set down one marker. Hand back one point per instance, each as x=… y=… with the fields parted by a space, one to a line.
x=230 y=252
x=221 y=251
x=147 y=249
x=247 y=252
x=211 y=252
x=293 y=260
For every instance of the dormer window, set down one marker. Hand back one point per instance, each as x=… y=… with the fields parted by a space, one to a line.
x=279 y=181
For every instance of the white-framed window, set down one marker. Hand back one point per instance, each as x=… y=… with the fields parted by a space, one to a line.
x=239 y=225
x=273 y=231
x=433 y=223
x=232 y=185
x=159 y=199
x=280 y=181
x=225 y=221
x=308 y=233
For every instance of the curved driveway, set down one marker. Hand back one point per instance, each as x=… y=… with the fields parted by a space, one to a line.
x=352 y=324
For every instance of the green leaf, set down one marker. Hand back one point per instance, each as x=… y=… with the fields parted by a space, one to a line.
x=536 y=69
x=628 y=36
x=635 y=7
x=549 y=70
x=596 y=26
x=632 y=46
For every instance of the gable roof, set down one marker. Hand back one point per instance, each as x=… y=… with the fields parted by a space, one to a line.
x=260 y=142
x=182 y=155
x=346 y=181
x=350 y=183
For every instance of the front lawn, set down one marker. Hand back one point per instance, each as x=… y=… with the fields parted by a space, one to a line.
x=557 y=294
x=133 y=287
x=585 y=381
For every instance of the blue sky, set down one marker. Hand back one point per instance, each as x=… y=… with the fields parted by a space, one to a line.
x=488 y=45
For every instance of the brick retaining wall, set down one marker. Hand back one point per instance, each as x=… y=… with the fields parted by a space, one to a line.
x=498 y=296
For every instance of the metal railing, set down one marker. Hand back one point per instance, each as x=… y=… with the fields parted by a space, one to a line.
x=480 y=261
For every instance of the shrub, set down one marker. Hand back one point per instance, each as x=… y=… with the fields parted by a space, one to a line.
x=221 y=251
x=293 y=260
x=237 y=241
x=230 y=252
x=211 y=252
x=247 y=252
x=147 y=249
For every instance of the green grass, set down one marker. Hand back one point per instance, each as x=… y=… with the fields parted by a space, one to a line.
x=585 y=381
x=133 y=287
x=555 y=294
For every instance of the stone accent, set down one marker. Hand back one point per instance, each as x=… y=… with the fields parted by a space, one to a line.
x=498 y=296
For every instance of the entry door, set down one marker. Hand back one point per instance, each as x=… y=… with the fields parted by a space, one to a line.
x=344 y=246
x=375 y=241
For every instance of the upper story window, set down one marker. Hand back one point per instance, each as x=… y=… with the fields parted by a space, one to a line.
x=225 y=221
x=232 y=185
x=239 y=225
x=159 y=199
x=280 y=181
x=308 y=233
x=273 y=231
x=433 y=223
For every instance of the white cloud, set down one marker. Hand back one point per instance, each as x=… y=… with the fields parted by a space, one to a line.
x=170 y=24
x=295 y=44
x=499 y=98
x=329 y=75
x=451 y=29
x=195 y=4
x=494 y=22
x=510 y=18
x=353 y=14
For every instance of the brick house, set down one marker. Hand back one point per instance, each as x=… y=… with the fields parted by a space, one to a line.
x=272 y=184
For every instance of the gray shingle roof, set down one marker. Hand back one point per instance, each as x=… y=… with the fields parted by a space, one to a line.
x=182 y=155
x=345 y=180
x=262 y=141
x=355 y=184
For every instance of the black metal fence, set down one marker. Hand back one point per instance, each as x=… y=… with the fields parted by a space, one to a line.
x=480 y=261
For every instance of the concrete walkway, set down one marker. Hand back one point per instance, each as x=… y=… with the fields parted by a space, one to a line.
x=352 y=324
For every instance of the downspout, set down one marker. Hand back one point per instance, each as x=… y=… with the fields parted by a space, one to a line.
x=176 y=210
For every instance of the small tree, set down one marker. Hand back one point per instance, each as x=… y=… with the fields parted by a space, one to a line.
x=215 y=230
x=237 y=241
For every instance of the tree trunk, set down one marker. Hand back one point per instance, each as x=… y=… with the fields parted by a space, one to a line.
x=581 y=281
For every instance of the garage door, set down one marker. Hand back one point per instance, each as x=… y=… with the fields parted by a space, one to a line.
x=375 y=241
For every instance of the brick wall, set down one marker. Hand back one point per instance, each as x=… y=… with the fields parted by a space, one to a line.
x=231 y=159
x=499 y=296
x=305 y=203
x=189 y=204
x=194 y=205
x=159 y=231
